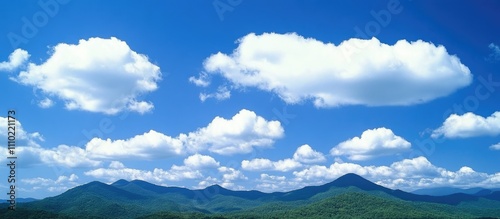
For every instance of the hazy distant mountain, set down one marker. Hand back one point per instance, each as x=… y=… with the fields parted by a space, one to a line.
x=20 y=200
x=349 y=195
x=450 y=190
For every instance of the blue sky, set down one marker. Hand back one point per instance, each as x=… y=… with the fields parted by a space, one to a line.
x=252 y=94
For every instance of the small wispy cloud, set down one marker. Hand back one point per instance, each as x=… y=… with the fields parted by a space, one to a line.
x=495 y=146
x=495 y=52
x=46 y=103
x=221 y=94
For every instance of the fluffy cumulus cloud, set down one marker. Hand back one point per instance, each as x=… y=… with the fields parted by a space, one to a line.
x=415 y=168
x=200 y=161
x=227 y=177
x=407 y=174
x=372 y=143
x=62 y=183
x=305 y=154
x=272 y=183
x=299 y=69
x=22 y=136
x=116 y=165
x=202 y=168
x=96 y=75
x=192 y=169
x=16 y=59
x=61 y=156
x=149 y=145
x=262 y=164
x=31 y=153
x=469 y=125
x=158 y=175
x=240 y=134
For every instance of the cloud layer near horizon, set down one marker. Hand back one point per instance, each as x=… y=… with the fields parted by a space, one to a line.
x=237 y=135
x=302 y=165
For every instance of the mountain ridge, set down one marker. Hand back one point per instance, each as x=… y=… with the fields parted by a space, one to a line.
x=347 y=180
x=136 y=198
x=440 y=191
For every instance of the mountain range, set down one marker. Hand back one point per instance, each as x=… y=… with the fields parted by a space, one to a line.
x=348 y=196
x=439 y=191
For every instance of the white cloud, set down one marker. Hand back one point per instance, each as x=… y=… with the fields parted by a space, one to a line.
x=469 y=125
x=221 y=94
x=16 y=59
x=415 y=168
x=286 y=165
x=495 y=146
x=407 y=174
x=257 y=164
x=96 y=75
x=69 y=156
x=158 y=175
x=62 y=155
x=305 y=154
x=199 y=161
x=495 y=52
x=66 y=179
x=272 y=183
x=45 y=182
x=233 y=186
x=62 y=183
x=140 y=107
x=202 y=81
x=29 y=151
x=46 y=103
x=195 y=166
x=334 y=171
x=31 y=139
x=261 y=164
x=230 y=174
x=240 y=134
x=264 y=176
x=226 y=178
x=372 y=143
x=37 y=181
x=299 y=69
x=208 y=181
x=116 y=165
x=149 y=145
x=113 y=174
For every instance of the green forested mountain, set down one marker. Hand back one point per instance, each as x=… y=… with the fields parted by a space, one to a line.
x=347 y=197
